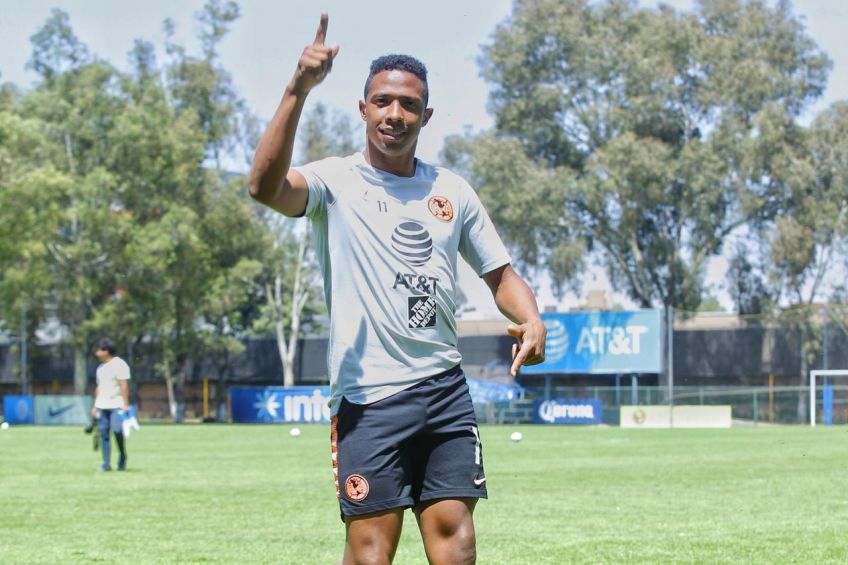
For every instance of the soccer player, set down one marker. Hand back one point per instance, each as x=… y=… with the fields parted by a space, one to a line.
x=111 y=395
x=388 y=230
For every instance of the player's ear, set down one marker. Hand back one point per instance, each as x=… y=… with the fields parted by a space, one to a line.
x=362 y=109
x=428 y=113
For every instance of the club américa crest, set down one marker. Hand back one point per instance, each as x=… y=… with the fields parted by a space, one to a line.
x=356 y=488
x=441 y=207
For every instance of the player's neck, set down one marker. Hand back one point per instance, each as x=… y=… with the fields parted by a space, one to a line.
x=400 y=165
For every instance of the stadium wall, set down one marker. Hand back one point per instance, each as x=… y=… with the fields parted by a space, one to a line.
x=744 y=355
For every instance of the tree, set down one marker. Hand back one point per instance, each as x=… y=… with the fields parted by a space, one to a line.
x=56 y=49
x=807 y=241
x=749 y=288
x=201 y=85
x=239 y=241
x=26 y=157
x=112 y=220
x=77 y=102
x=636 y=128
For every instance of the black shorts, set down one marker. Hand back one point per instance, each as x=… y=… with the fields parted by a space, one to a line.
x=418 y=445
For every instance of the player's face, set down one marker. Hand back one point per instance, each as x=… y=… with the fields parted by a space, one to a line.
x=394 y=114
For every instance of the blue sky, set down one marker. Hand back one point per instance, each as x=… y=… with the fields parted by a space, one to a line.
x=265 y=43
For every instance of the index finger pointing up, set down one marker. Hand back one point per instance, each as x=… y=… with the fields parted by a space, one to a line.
x=321 y=34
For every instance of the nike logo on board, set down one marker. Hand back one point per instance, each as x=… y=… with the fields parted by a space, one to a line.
x=56 y=411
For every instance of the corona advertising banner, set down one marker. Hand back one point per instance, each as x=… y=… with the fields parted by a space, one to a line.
x=280 y=405
x=587 y=411
x=601 y=342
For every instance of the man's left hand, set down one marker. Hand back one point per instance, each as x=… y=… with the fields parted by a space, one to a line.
x=530 y=349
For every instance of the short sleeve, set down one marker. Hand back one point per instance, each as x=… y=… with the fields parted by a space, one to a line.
x=319 y=176
x=122 y=371
x=479 y=244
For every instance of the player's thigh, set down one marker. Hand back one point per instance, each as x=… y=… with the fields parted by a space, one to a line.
x=447 y=529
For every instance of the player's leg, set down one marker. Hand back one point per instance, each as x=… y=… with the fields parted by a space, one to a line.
x=104 y=428
x=118 y=429
x=373 y=478
x=449 y=476
x=373 y=538
x=447 y=528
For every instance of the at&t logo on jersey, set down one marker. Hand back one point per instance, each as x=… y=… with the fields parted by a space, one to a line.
x=413 y=242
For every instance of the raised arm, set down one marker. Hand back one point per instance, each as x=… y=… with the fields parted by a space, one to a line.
x=272 y=182
x=516 y=301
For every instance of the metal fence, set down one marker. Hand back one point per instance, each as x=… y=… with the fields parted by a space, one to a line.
x=749 y=405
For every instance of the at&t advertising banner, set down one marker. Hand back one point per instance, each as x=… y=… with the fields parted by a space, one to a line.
x=570 y=411
x=601 y=342
x=276 y=404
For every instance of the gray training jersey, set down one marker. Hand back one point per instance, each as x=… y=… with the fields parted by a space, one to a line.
x=387 y=247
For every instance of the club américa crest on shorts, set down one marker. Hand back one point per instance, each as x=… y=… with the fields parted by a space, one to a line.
x=356 y=488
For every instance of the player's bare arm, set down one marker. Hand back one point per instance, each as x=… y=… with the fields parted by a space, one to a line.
x=271 y=181
x=516 y=301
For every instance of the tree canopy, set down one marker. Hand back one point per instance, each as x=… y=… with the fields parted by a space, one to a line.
x=115 y=213
x=651 y=135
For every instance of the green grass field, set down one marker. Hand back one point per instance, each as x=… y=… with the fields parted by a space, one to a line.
x=254 y=494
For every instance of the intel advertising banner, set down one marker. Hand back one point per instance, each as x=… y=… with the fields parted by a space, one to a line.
x=62 y=409
x=17 y=409
x=568 y=411
x=601 y=342
x=279 y=405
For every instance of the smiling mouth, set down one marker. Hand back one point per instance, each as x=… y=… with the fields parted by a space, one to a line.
x=392 y=134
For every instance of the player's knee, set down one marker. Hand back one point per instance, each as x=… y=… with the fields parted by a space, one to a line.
x=457 y=550
x=464 y=544
x=462 y=550
x=454 y=542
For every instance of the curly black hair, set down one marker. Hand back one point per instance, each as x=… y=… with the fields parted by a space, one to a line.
x=401 y=63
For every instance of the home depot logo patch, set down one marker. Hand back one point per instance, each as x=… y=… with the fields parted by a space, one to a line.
x=422 y=311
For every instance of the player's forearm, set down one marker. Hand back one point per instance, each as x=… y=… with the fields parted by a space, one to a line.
x=517 y=303
x=273 y=155
x=514 y=298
